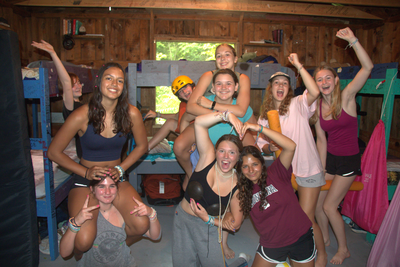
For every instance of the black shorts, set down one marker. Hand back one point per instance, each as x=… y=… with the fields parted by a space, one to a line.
x=301 y=251
x=79 y=181
x=343 y=165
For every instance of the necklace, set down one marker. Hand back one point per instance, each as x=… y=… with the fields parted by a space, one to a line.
x=104 y=213
x=221 y=218
x=221 y=173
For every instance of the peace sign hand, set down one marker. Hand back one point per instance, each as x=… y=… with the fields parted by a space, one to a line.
x=141 y=209
x=85 y=213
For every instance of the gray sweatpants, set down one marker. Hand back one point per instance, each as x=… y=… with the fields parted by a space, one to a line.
x=194 y=243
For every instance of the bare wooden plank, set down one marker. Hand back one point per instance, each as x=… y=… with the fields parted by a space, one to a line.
x=117 y=42
x=383 y=3
x=225 y=5
x=311 y=46
x=132 y=40
x=299 y=42
x=144 y=40
x=287 y=43
x=189 y=28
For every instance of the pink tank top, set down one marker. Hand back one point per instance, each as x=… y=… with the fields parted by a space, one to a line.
x=342 y=134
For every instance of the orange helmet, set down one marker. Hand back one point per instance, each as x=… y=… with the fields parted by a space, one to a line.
x=179 y=83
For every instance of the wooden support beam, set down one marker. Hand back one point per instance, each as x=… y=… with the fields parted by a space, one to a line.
x=380 y=3
x=309 y=9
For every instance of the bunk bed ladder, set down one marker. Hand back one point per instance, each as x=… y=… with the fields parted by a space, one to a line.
x=39 y=89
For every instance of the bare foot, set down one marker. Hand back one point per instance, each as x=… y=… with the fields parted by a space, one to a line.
x=322 y=259
x=229 y=253
x=327 y=242
x=339 y=257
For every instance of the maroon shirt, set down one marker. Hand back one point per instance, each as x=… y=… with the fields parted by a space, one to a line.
x=282 y=222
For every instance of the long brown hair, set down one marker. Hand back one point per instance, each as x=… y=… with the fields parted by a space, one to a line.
x=246 y=186
x=268 y=102
x=336 y=103
x=121 y=117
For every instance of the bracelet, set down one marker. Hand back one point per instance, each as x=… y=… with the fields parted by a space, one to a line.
x=213 y=105
x=351 y=44
x=73 y=226
x=86 y=172
x=158 y=115
x=120 y=171
x=269 y=148
x=209 y=218
x=262 y=128
x=153 y=215
x=300 y=68
x=223 y=115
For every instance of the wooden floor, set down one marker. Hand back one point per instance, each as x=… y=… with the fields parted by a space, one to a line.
x=148 y=254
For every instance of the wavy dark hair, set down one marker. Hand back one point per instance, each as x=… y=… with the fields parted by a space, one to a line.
x=231 y=73
x=246 y=186
x=121 y=117
x=268 y=103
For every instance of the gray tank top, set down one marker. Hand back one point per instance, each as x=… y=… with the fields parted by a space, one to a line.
x=109 y=247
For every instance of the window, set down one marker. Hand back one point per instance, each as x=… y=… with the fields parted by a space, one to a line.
x=166 y=102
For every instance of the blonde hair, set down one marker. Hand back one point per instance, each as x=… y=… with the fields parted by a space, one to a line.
x=268 y=102
x=336 y=102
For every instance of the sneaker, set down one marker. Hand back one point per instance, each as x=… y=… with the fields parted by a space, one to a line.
x=245 y=256
x=356 y=229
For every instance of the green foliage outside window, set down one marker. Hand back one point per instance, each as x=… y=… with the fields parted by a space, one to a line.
x=166 y=102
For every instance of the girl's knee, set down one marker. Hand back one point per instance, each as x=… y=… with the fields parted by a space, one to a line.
x=137 y=226
x=84 y=240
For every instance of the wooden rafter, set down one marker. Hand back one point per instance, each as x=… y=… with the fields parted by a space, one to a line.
x=272 y=7
x=377 y=3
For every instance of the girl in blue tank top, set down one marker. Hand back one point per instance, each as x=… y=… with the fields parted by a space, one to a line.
x=111 y=118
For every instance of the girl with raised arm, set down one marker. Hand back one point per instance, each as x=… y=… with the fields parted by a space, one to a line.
x=267 y=195
x=197 y=232
x=294 y=115
x=103 y=126
x=339 y=152
x=71 y=87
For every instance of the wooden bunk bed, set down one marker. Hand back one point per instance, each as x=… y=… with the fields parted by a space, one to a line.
x=40 y=92
x=161 y=73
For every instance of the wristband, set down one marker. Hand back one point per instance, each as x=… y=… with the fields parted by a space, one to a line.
x=209 y=218
x=351 y=44
x=120 y=171
x=269 y=148
x=158 y=115
x=73 y=226
x=213 y=105
x=86 y=172
x=153 y=215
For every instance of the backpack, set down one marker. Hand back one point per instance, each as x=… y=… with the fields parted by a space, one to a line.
x=163 y=189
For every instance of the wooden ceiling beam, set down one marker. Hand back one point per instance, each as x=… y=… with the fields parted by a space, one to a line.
x=377 y=3
x=271 y=7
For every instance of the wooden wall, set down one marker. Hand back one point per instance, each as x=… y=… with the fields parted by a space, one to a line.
x=129 y=37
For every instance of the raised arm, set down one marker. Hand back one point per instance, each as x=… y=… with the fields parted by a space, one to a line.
x=287 y=145
x=309 y=82
x=65 y=80
x=358 y=82
x=203 y=141
x=242 y=101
